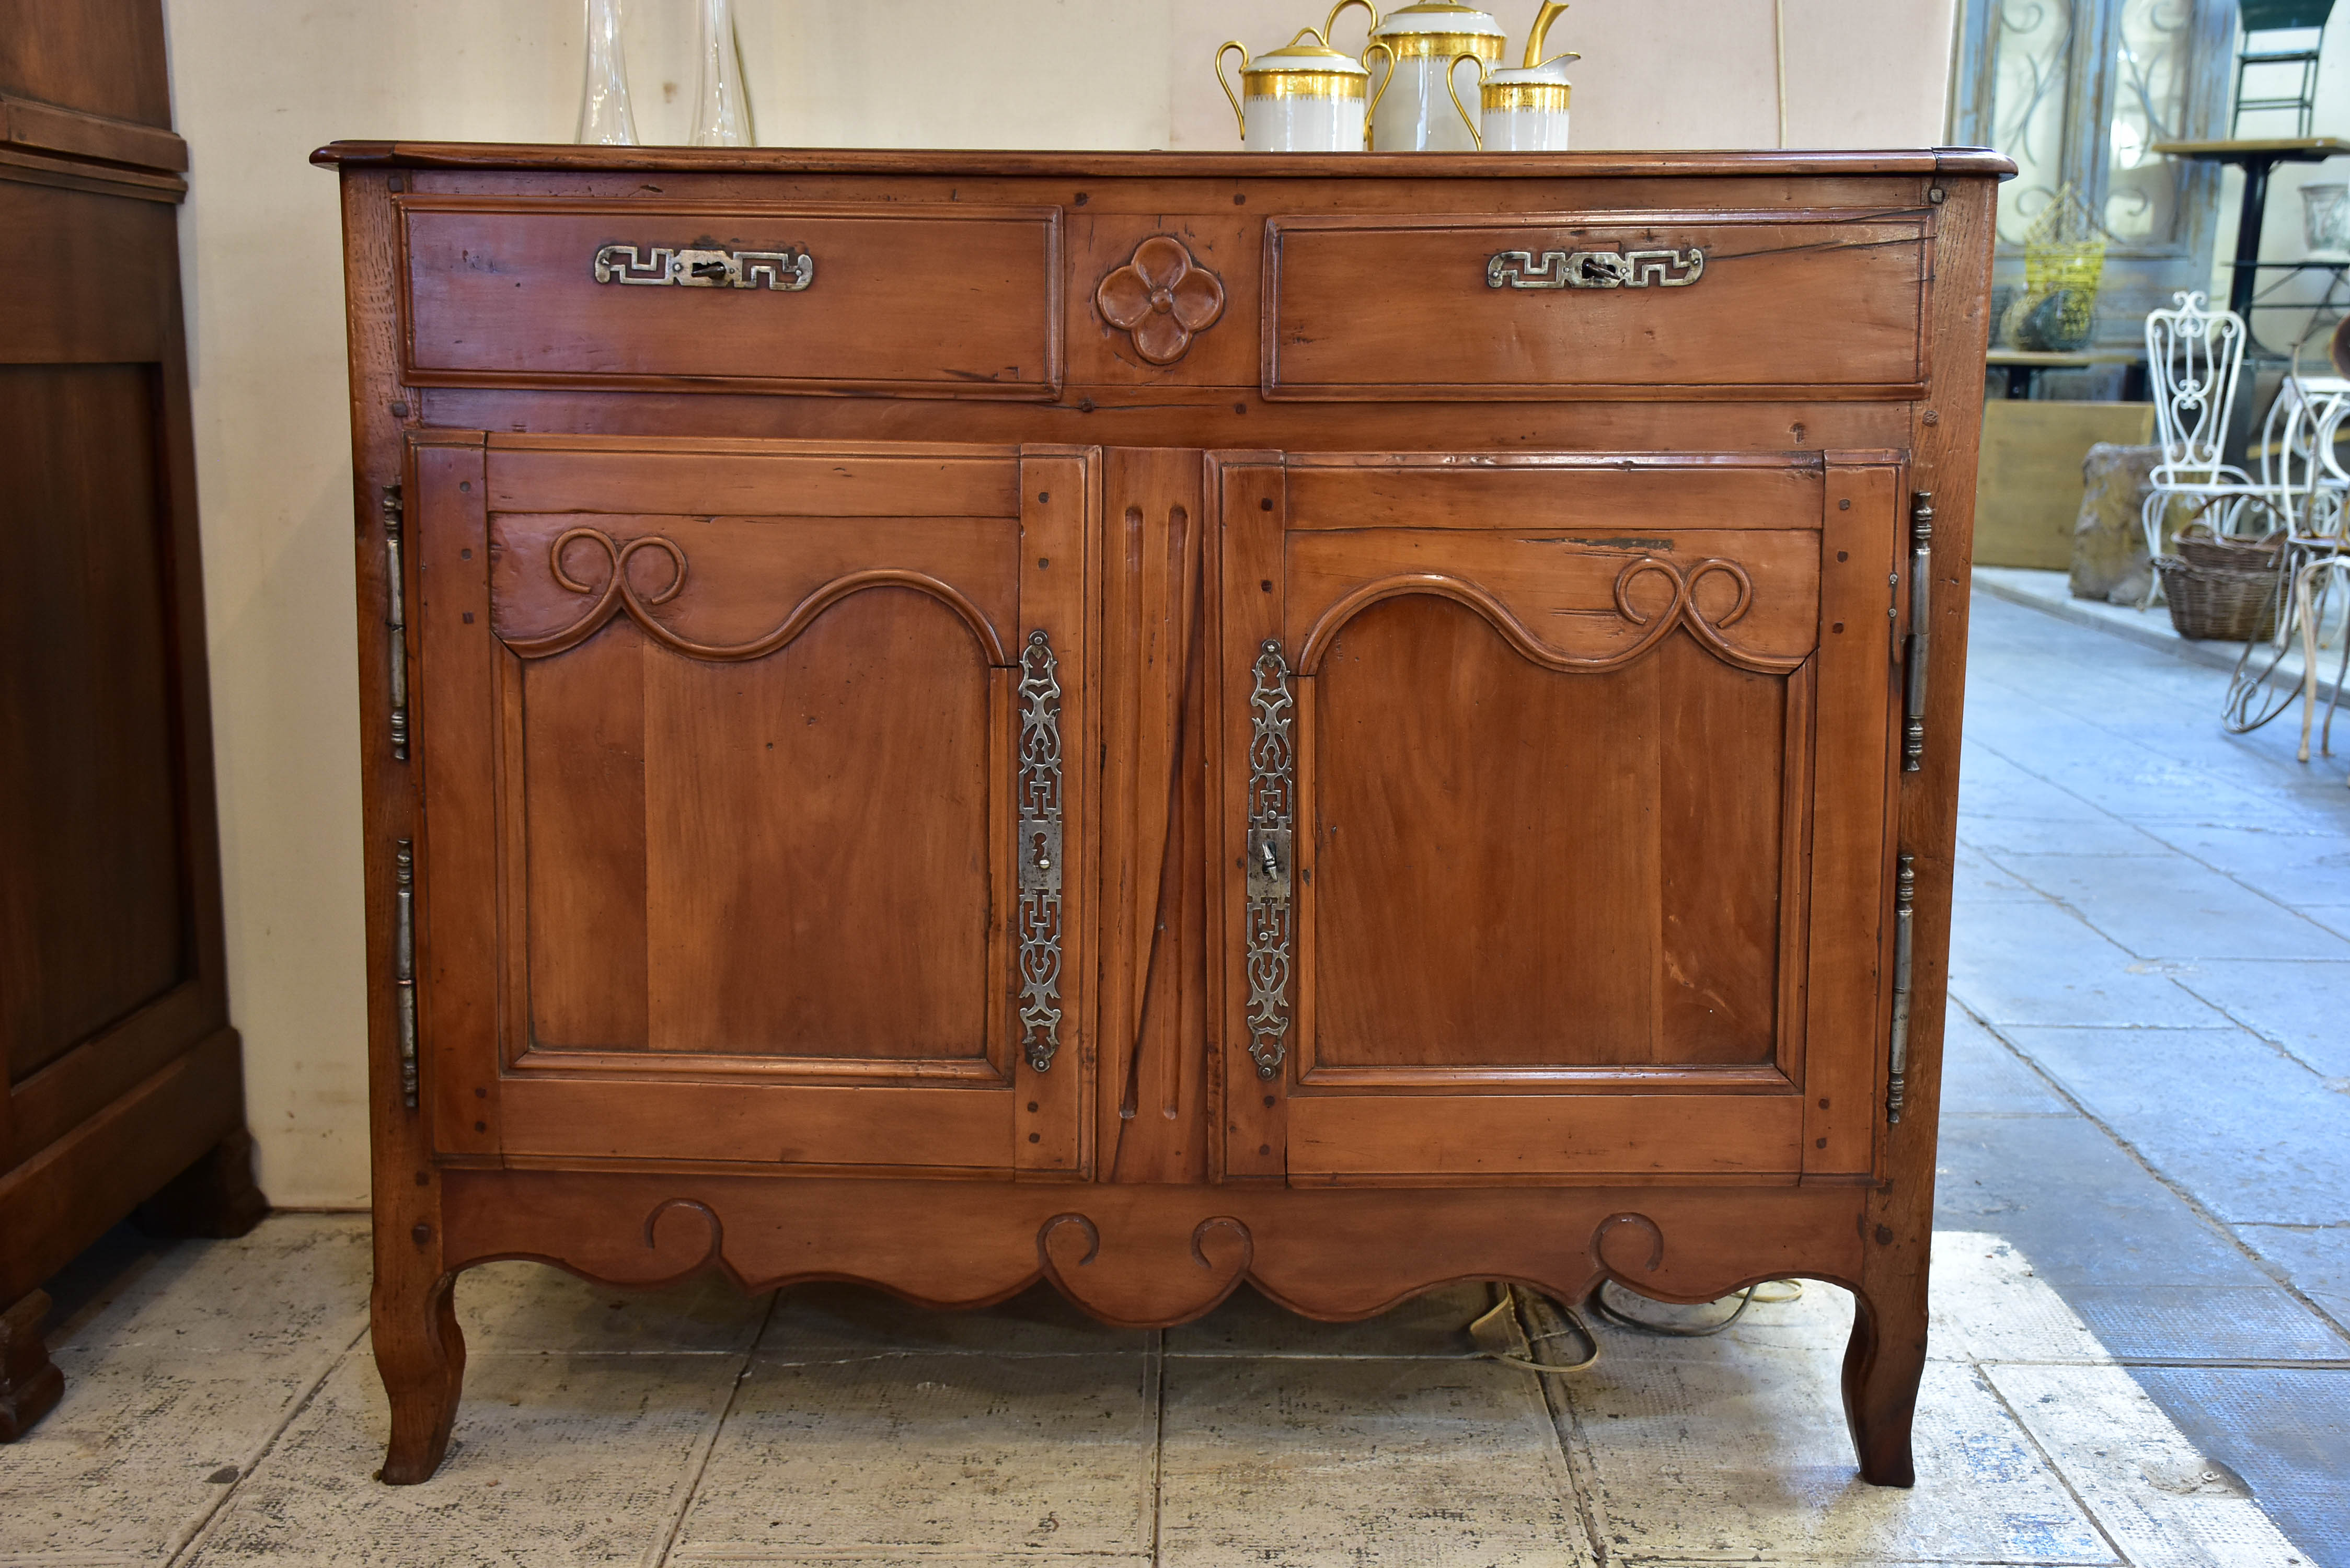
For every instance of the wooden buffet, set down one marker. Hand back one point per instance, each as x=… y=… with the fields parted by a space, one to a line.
x=1157 y=722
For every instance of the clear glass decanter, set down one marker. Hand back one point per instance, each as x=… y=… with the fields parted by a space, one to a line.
x=721 y=114
x=604 y=117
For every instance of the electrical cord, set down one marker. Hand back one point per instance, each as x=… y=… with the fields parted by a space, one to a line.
x=1506 y=1322
x=1784 y=1291
x=1509 y=1331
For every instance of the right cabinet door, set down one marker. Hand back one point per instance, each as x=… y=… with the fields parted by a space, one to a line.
x=1554 y=798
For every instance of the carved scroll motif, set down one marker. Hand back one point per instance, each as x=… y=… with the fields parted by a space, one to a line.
x=687 y=1260
x=1138 y=1278
x=618 y=594
x=1614 y=1225
x=1596 y=269
x=1047 y=1250
x=1684 y=611
x=658 y=266
x=1272 y=809
x=1039 y=803
x=1681 y=610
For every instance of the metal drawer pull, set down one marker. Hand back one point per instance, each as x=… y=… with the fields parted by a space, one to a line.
x=1039 y=805
x=1596 y=269
x=1272 y=810
x=788 y=271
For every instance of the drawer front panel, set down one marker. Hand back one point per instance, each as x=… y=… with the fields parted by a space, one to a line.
x=926 y=300
x=1545 y=307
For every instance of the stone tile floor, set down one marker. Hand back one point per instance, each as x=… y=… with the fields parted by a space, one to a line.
x=2151 y=1095
x=2142 y=1284
x=2053 y=592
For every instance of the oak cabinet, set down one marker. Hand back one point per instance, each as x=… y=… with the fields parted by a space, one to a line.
x=1155 y=723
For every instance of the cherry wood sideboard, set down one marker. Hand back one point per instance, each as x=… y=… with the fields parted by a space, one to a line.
x=1152 y=722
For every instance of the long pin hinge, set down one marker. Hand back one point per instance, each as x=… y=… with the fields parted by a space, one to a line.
x=1904 y=899
x=403 y=964
x=1921 y=608
x=395 y=618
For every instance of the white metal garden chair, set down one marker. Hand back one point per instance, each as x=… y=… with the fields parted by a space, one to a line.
x=2310 y=606
x=2310 y=487
x=2316 y=563
x=2297 y=458
x=2194 y=355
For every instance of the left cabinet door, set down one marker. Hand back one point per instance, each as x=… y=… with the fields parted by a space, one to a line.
x=747 y=832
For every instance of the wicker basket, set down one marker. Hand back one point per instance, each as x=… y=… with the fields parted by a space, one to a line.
x=2197 y=547
x=2220 y=604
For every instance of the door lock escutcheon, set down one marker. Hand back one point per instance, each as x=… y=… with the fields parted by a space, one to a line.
x=1269 y=860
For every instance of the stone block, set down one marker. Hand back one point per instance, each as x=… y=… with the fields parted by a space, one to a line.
x=2109 y=558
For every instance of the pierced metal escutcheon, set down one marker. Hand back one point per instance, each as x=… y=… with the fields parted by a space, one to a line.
x=1270 y=864
x=788 y=271
x=1596 y=269
x=1038 y=799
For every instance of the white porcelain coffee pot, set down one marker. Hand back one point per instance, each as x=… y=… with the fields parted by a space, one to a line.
x=1415 y=109
x=1304 y=96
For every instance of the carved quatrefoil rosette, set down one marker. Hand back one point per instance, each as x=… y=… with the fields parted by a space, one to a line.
x=1161 y=299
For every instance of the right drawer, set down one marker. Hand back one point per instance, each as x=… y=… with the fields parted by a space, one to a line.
x=1648 y=304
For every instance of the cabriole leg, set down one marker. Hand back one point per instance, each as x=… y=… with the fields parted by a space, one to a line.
x=1882 y=1365
x=420 y=1354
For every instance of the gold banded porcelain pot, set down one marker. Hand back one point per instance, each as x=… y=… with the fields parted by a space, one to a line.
x=1304 y=96
x=1416 y=110
x=1524 y=109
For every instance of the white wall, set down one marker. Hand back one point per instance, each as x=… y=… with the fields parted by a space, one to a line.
x=259 y=83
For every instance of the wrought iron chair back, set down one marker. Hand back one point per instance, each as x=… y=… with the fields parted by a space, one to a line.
x=2321 y=523
x=2297 y=458
x=2311 y=486
x=2194 y=355
x=2317 y=561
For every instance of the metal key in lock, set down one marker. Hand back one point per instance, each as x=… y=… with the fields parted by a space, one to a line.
x=707 y=269
x=1268 y=863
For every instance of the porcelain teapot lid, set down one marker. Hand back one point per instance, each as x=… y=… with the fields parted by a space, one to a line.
x=1437 y=16
x=1307 y=52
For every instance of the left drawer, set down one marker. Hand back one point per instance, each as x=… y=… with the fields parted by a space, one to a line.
x=941 y=300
